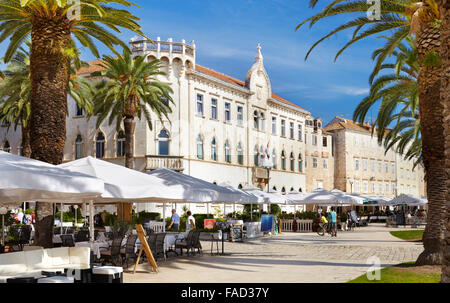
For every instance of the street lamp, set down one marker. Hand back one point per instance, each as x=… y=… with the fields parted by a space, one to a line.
x=268 y=164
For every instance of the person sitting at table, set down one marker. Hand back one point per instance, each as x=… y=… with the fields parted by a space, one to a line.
x=190 y=222
x=175 y=220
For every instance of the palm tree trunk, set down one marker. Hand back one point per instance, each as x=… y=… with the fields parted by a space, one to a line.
x=433 y=146
x=445 y=98
x=26 y=148
x=50 y=72
x=130 y=126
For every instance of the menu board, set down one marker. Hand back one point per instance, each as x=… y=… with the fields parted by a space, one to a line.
x=209 y=223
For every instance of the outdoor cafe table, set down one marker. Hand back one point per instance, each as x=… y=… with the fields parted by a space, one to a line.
x=95 y=247
x=169 y=240
x=57 y=239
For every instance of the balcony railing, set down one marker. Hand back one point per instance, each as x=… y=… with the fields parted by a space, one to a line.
x=170 y=162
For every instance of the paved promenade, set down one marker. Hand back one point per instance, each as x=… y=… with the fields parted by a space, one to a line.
x=290 y=257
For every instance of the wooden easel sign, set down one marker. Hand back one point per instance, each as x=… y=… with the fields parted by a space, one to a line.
x=144 y=247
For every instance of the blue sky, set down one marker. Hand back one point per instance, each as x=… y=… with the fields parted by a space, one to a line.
x=227 y=32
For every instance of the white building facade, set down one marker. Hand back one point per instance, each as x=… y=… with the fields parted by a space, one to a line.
x=221 y=129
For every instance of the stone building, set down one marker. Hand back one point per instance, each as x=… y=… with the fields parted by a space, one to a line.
x=362 y=166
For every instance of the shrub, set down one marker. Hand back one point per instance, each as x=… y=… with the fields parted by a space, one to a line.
x=307 y=215
x=275 y=209
x=110 y=220
x=143 y=216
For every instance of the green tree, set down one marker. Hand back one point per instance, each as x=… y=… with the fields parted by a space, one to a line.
x=399 y=18
x=396 y=94
x=130 y=90
x=15 y=93
x=52 y=25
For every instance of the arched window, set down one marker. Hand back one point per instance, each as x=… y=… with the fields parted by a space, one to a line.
x=199 y=147
x=240 y=154
x=274 y=158
x=163 y=143
x=283 y=191
x=78 y=147
x=240 y=186
x=300 y=163
x=262 y=156
x=121 y=144
x=283 y=160
x=227 y=152
x=274 y=188
x=292 y=189
x=292 y=162
x=256 y=120
x=256 y=156
x=262 y=118
x=300 y=190
x=100 y=145
x=213 y=150
x=6 y=147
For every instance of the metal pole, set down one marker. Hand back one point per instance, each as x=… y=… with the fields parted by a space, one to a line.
x=61 y=217
x=234 y=210
x=224 y=210
x=251 y=212
x=91 y=221
x=164 y=217
x=3 y=230
x=207 y=209
x=76 y=212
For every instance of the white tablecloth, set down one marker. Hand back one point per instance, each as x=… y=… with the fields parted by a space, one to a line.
x=95 y=246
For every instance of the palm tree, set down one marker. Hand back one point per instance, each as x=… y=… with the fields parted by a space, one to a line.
x=15 y=93
x=445 y=97
x=130 y=90
x=400 y=18
x=52 y=25
x=396 y=93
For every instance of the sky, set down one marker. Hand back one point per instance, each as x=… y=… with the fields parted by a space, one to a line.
x=227 y=33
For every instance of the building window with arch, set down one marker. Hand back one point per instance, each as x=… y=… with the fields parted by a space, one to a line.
x=274 y=125
x=199 y=147
x=213 y=150
x=121 y=144
x=78 y=147
x=255 y=120
x=163 y=143
x=261 y=122
x=7 y=147
x=262 y=156
x=274 y=158
x=283 y=191
x=100 y=145
x=283 y=160
x=240 y=186
x=79 y=111
x=274 y=188
x=227 y=152
x=240 y=154
x=300 y=163
x=292 y=162
x=256 y=156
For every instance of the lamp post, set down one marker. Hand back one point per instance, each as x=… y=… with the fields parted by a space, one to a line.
x=268 y=165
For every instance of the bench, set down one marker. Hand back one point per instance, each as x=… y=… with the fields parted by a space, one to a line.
x=33 y=263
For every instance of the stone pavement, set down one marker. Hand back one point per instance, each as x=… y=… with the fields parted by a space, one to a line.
x=290 y=257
